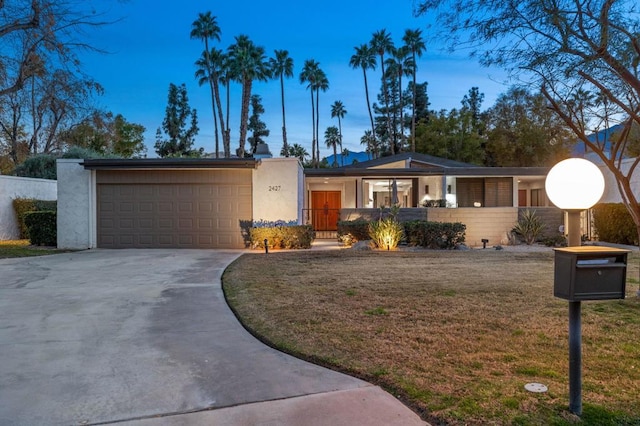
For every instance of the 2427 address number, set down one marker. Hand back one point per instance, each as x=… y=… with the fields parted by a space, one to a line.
x=274 y=188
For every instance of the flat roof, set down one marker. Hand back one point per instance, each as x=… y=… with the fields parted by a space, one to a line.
x=169 y=163
x=432 y=171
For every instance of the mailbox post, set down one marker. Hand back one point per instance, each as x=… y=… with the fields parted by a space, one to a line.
x=586 y=273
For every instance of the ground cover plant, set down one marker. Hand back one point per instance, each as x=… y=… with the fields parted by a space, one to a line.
x=455 y=335
x=22 y=248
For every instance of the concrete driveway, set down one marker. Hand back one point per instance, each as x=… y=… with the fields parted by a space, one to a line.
x=144 y=337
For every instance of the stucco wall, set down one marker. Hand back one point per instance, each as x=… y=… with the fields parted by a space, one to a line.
x=492 y=223
x=76 y=205
x=12 y=187
x=278 y=190
x=611 y=193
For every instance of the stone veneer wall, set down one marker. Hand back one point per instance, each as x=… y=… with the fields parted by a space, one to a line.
x=12 y=187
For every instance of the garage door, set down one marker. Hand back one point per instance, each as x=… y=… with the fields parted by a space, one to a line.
x=172 y=208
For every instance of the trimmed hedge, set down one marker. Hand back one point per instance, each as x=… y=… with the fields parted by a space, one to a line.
x=434 y=235
x=352 y=231
x=42 y=227
x=282 y=237
x=614 y=224
x=22 y=206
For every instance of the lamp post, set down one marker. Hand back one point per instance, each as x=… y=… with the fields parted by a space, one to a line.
x=574 y=185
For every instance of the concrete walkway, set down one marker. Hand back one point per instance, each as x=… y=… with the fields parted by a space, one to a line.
x=145 y=337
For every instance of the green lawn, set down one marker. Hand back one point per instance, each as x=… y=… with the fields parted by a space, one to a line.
x=21 y=248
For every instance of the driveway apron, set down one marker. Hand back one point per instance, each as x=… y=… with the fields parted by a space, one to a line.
x=110 y=335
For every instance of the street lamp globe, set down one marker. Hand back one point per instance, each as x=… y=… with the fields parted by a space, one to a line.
x=574 y=184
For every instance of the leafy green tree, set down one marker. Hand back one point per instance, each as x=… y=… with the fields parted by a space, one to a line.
x=563 y=48
x=524 y=131
x=338 y=111
x=332 y=139
x=256 y=126
x=365 y=58
x=206 y=28
x=282 y=66
x=381 y=44
x=178 y=115
x=414 y=42
x=248 y=63
x=105 y=134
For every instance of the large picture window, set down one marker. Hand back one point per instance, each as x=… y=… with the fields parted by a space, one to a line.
x=484 y=192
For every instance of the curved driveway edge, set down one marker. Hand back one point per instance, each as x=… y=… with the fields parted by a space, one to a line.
x=146 y=337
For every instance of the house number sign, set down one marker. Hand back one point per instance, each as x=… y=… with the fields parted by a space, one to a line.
x=274 y=188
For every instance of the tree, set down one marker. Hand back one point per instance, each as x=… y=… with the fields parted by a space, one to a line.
x=564 y=48
x=369 y=141
x=248 y=63
x=206 y=28
x=281 y=67
x=296 y=150
x=106 y=134
x=365 y=58
x=400 y=64
x=256 y=126
x=316 y=80
x=332 y=139
x=180 y=137
x=39 y=35
x=381 y=43
x=524 y=131
x=338 y=110
x=413 y=40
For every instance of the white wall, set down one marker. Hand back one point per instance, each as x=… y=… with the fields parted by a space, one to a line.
x=76 y=205
x=278 y=190
x=12 y=187
x=611 y=193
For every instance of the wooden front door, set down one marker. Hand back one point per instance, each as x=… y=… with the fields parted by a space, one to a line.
x=325 y=206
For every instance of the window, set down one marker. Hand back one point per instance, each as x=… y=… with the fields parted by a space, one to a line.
x=538 y=198
x=487 y=192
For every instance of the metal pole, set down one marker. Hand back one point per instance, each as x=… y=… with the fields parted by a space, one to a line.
x=575 y=327
x=575 y=359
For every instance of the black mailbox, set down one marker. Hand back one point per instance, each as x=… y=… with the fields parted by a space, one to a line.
x=590 y=273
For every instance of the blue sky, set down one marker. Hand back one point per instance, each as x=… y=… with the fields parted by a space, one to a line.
x=149 y=47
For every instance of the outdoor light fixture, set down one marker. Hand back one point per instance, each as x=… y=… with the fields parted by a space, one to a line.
x=574 y=185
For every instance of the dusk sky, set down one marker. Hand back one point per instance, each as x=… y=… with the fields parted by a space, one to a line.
x=150 y=47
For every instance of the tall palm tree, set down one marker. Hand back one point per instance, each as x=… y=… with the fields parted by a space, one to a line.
x=297 y=150
x=365 y=58
x=402 y=64
x=332 y=139
x=413 y=40
x=369 y=140
x=203 y=75
x=308 y=75
x=206 y=28
x=321 y=83
x=381 y=43
x=226 y=77
x=338 y=110
x=248 y=63
x=281 y=67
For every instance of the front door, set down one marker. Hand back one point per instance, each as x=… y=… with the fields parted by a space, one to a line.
x=325 y=206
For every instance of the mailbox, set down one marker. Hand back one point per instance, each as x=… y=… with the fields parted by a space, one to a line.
x=590 y=273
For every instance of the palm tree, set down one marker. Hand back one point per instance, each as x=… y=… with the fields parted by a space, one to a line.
x=308 y=75
x=338 y=110
x=413 y=40
x=369 y=140
x=248 y=63
x=296 y=150
x=206 y=28
x=203 y=75
x=321 y=83
x=282 y=66
x=402 y=65
x=226 y=77
x=381 y=43
x=209 y=70
x=332 y=139
x=365 y=58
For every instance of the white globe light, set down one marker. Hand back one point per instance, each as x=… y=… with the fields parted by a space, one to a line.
x=574 y=184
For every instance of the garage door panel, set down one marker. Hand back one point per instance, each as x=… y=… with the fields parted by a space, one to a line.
x=147 y=213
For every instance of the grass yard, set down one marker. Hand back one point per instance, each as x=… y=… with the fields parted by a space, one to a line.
x=22 y=248
x=456 y=335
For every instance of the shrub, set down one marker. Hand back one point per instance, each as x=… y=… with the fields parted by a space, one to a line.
x=434 y=203
x=281 y=235
x=352 y=231
x=386 y=233
x=41 y=166
x=529 y=226
x=434 y=235
x=42 y=227
x=614 y=224
x=22 y=206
